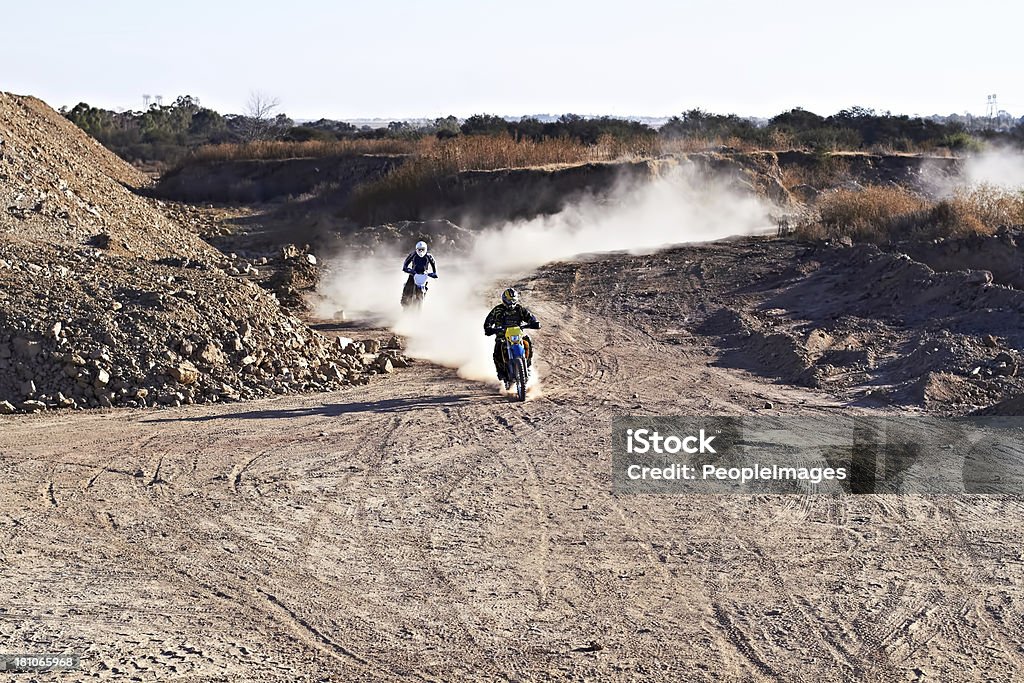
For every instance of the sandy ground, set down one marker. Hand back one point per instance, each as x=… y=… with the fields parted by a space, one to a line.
x=425 y=527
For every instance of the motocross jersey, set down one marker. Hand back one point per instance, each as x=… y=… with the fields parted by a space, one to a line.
x=503 y=317
x=418 y=264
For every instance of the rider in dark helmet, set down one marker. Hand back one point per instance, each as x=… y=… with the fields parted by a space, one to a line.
x=509 y=313
x=417 y=262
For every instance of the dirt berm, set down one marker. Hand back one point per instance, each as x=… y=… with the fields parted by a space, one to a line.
x=106 y=301
x=321 y=192
x=257 y=180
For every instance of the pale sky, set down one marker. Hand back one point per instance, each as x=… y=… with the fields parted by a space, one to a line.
x=404 y=59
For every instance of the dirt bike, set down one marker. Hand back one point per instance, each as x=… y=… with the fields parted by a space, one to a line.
x=516 y=353
x=419 y=290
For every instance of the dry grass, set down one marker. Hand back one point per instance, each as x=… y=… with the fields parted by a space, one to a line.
x=473 y=152
x=881 y=214
x=294 y=150
x=826 y=171
x=690 y=145
x=435 y=159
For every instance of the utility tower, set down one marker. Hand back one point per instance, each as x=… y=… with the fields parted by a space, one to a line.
x=991 y=107
x=159 y=100
x=145 y=102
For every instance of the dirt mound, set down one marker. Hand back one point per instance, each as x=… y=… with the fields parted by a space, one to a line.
x=1001 y=254
x=117 y=331
x=872 y=327
x=1013 y=406
x=751 y=343
x=59 y=186
x=402 y=235
x=106 y=301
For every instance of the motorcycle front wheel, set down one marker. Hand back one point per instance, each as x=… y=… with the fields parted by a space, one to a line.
x=520 y=377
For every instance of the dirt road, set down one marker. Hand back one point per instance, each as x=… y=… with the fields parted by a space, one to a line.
x=426 y=528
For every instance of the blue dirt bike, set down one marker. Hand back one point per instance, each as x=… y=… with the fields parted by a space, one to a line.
x=516 y=352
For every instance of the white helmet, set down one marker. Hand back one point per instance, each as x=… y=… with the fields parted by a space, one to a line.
x=421 y=248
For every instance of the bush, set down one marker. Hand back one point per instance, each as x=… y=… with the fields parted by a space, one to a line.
x=869 y=215
x=881 y=214
x=960 y=142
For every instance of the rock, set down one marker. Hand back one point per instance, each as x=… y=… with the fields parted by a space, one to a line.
x=6 y=408
x=384 y=364
x=26 y=348
x=209 y=353
x=394 y=343
x=991 y=341
x=28 y=388
x=32 y=406
x=371 y=346
x=979 y=277
x=805 y=193
x=56 y=330
x=102 y=378
x=184 y=373
x=768 y=405
x=1006 y=365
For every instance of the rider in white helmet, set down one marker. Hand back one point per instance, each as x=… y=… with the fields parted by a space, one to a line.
x=417 y=262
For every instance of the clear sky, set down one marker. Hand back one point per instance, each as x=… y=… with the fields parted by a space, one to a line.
x=401 y=59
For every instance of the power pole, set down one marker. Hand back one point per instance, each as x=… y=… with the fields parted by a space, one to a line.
x=159 y=100
x=991 y=109
x=145 y=102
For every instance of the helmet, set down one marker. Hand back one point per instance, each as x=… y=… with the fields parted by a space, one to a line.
x=421 y=248
x=510 y=297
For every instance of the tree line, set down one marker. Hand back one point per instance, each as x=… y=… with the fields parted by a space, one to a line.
x=167 y=133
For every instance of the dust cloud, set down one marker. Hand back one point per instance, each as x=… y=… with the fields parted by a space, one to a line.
x=997 y=167
x=677 y=207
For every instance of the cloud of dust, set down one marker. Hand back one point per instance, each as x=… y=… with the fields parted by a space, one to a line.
x=677 y=207
x=999 y=167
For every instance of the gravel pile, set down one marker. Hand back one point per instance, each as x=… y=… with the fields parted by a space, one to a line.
x=105 y=301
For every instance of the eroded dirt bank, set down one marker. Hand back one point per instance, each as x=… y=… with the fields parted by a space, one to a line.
x=425 y=528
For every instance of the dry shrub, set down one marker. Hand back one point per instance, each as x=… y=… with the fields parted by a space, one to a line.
x=993 y=206
x=476 y=152
x=276 y=149
x=868 y=215
x=882 y=214
x=821 y=172
x=435 y=159
x=689 y=145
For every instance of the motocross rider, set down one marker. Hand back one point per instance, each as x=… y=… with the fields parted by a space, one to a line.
x=509 y=313
x=416 y=263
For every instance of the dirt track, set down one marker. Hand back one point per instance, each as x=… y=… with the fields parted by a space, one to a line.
x=425 y=528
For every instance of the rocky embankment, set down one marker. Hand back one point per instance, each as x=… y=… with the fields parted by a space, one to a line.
x=106 y=300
